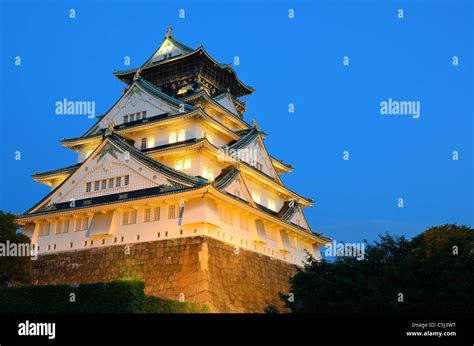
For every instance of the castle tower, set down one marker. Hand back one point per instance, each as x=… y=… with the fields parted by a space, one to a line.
x=174 y=166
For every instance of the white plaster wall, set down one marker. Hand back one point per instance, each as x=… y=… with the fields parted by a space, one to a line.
x=196 y=211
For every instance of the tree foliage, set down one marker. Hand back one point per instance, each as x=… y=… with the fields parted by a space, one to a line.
x=17 y=268
x=433 y=272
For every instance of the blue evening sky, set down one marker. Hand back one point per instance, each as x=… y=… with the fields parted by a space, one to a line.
x=300 y=61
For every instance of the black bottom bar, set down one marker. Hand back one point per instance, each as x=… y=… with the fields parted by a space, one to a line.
x=222 y=329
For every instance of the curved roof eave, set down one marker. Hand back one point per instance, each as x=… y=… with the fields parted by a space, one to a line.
x=182 y=56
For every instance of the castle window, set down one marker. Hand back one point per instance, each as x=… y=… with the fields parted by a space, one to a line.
x=59 y=227
x=138 y=237
x=85 y=243
x=92 y=242
x=143 y=114
x=256 y=196
x=104 y=184
x=49 y=247
x=81 y=224
x=121 y=239
x=143 y=146
x=111 y=183
x=182 y=163
x=62 y=226
x=158 y=234
x=208 y=173
x=125 y=119
x=172 y=211
x=85 y=222
x=172 y=137
x=129 y=217
x=44 y=230
x=71 y=244
x=181 y=135
x=54 y=246
x=115 y=239
x=156 y=214
x=88 y=187
x=147 y=215
x=118 y=181
x=103 y=241
x=244 y=222
x=126 y=180
x=187 y=163
x=271 y=204
x=96 y=185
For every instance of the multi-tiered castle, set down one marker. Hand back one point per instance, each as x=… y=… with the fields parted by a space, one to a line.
x=172 y=159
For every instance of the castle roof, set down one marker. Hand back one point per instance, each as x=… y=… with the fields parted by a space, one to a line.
x=173 y=51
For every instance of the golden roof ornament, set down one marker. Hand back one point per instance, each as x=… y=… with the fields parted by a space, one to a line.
x=254 y=123
x=138 y=74
x=110 y=128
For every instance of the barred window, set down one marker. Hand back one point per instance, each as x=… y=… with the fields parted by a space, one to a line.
x=85 y=222
x=143 y=146
x=44 y=229
x=104 y=184
x=147 y=215
x=244 y=222
x=129 y=217
x=156 y=214
x=126 y=180
x=172 y=211
x=88 y=187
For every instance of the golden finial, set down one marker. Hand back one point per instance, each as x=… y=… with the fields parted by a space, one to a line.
x=168 y=33
x=137 y=74
x=110 y=128
x=254 y=123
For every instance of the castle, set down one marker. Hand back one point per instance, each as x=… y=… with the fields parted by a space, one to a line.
x=174 y=187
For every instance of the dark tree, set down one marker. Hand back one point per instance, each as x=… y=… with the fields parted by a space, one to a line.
x=433 y=272
x=17 y=269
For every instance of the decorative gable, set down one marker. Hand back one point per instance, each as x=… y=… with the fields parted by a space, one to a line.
x=256 y=155
x=134 y=105
x=109 y=170
x=299 y=219
x=238 y=189
x=168 y=49
x=225 y=100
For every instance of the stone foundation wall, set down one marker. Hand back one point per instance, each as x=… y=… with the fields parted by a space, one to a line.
x=200 y=269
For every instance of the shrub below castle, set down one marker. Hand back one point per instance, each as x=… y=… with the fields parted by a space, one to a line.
x=109 y=297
